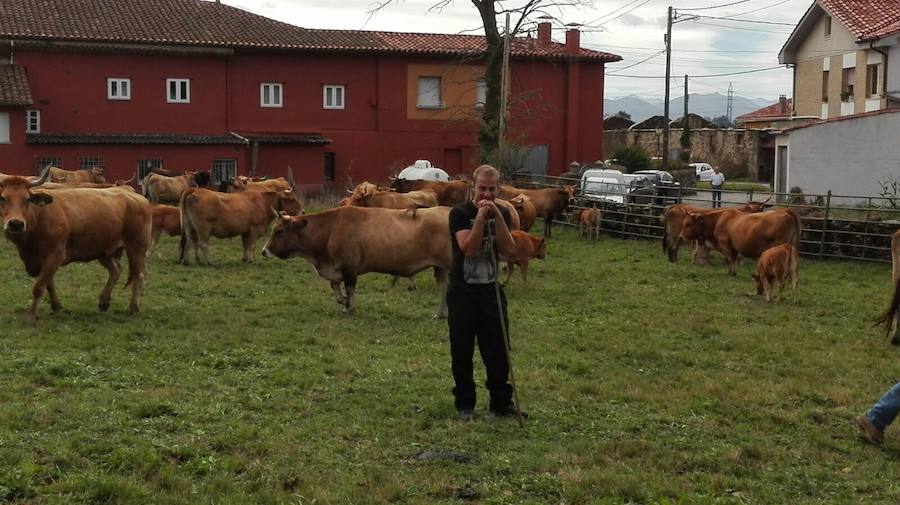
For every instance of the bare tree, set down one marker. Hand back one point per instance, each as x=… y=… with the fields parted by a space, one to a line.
x=521 y=14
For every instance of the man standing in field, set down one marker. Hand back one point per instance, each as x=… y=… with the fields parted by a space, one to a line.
x=716 y=182
x=477 y=236
x=873 y=423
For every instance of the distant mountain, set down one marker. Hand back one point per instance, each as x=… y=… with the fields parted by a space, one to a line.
x=706 y=105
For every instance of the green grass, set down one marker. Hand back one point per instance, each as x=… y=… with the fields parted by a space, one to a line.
x=738 y=186
x=647 y=382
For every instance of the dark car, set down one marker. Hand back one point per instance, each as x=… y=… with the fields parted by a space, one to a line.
x=666 y=188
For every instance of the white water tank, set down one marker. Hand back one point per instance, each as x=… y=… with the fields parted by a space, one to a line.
x=422 y=170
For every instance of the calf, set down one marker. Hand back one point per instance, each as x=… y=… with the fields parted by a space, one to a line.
x=590 y=220
x=774 y=267
x=527 y=212
x=166 y=218
x=527 y=248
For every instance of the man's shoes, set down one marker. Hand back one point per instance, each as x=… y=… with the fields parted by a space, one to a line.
x=869 y=431
x=465 y=415
x=508 y=411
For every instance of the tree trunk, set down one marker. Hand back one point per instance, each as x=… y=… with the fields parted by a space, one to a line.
x=489 y=132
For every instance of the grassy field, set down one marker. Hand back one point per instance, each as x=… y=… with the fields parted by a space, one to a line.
x=646 y=382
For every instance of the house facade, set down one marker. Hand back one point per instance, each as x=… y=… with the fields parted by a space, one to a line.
x=193 y=84
x=846 y=56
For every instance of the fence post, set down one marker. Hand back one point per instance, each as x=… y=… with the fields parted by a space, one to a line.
x=865 y=250
x=825 y=224
x=750 y=196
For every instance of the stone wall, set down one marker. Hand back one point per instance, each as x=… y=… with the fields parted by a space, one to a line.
x=735 y=151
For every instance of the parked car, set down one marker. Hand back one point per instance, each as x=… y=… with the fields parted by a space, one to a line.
x=704 y=171
x=667 y=189
x=602 y=185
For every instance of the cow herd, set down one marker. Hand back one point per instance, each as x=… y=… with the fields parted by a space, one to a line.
x=63 y=216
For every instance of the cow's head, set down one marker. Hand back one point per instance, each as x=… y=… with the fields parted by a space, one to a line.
x=692 y=226
x=397 y=184
x=288 y=203
x=520 y=201
x=287 y=237
x=752 y=206
x=201 y=179
x=570 y=190
x=759 y=284
x=16 y=200
x=97 y=175
x=361 y=194
x=235 y=185
x=540 y=247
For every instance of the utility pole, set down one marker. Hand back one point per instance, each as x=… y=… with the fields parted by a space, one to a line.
x=504 y=82
x=665 y=153
x=684 y=118
x=729 y=109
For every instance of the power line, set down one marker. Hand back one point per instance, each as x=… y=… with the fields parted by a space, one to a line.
x=654 y=55
x=629 y=11
x=715 y=6
x=763 y=8
x=602 y=46
x=707 y=75
x=745 y=20
x=739 y=28
x=610 y=13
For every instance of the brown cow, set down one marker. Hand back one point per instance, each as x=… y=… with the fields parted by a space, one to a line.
x=206 y=213
x=449 y=194
x=527 y=247
x=774 y=267
x=346 y=242
x=673 y=222
x=162 y=188
x=733 y=232
x=166 y=218
x=369 y=195
x=549 y=203
x=53 y=228
x=892 y=314
x=895 y=256
x=243 y=183
x=527 y=213
x=94 y=174
x=590 y=220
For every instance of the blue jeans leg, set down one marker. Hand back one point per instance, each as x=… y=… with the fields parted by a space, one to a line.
x=885 y=410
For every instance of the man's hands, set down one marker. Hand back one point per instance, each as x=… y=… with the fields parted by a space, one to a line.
x=487 y=208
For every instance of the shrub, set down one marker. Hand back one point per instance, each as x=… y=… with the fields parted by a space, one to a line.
x=633 y=157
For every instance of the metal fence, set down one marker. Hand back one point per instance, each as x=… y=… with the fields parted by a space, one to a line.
x=834 y=226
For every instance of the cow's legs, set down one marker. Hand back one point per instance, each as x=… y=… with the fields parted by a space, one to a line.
x=40 y=283
x=548 y=222
x=350 y=286
x=338 y=294
x=524 y=268
x=440 y=275
x=247 y=240
x=203 y=245
x=55 y=306
x=137 y=266
x=510 y=266
x=112 y=266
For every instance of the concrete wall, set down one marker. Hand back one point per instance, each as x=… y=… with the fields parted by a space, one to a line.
x=893 y=75
x=735 y=151
x=848 y=157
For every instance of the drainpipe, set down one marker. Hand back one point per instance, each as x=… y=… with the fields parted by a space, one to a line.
x=884 y=60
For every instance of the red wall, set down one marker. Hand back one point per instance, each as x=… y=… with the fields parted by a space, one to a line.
x=371 y=137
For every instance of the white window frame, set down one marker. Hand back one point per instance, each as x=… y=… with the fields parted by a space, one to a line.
x=118 y=95
x=178 y=82
x=4 y=128
x=276 y=90
x=29 y=114
x=480 y=93
x=422 y=92
x=335 y=89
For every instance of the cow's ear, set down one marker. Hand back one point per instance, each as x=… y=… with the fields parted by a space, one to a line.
x=297 y=224
x=40 y=199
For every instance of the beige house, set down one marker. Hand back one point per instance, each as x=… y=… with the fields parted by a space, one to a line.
x=846 y=58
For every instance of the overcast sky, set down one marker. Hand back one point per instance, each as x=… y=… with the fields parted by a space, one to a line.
x=633 y=29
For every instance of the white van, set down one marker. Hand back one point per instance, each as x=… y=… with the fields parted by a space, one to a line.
x=422 y=170
x=603 y=185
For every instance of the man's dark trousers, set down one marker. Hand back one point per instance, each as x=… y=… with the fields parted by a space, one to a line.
x=473 y=314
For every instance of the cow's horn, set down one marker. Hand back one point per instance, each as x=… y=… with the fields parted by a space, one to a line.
x=45 y=175
x=350 y=191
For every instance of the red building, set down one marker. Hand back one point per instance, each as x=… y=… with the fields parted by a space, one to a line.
x=193 y=84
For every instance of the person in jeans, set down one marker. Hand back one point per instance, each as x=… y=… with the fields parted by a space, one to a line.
x=873 y=423
x=716 y=182
x=473 y=311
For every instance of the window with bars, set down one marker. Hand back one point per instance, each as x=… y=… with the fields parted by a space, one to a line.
x=89 y=162
x=42 y=162
x=145 y=165
x=32 y=121
x=223 y=169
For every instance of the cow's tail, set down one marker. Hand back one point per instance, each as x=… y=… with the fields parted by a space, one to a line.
x=798 y=229
x=188 y=233
x=887 y=319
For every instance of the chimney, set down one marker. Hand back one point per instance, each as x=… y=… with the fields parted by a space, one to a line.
x=573 y=41
x=544 y=33
x=782 y=105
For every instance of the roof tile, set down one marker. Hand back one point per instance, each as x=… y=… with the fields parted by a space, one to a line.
x=866 y=19
x=770 y=111
x=14 y=89
x=205 y=23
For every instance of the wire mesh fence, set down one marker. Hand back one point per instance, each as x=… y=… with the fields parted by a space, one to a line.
x=833 y=225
